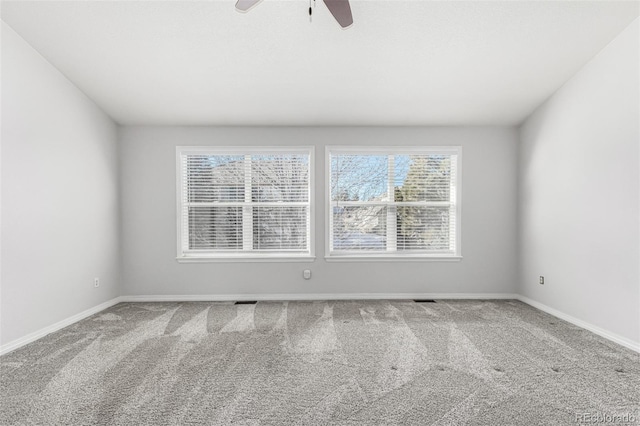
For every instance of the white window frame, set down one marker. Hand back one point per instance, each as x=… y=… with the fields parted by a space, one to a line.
x=184 y=256
x=391 y=254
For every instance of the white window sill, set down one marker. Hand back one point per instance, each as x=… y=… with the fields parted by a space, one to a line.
x=244 y=259
x=391 y=258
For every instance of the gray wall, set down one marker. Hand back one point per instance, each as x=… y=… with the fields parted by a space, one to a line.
x=59 y=195
x=579 y=194
x=147 y=160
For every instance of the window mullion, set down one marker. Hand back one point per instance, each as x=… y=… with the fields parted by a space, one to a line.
x=453 y=208
x=392 y=231
x=247 y=209
x=330 y=186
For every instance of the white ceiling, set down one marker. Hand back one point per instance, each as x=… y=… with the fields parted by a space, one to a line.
x=402 y=62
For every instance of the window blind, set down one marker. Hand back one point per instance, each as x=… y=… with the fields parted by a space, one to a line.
x=388 y=201
x=244 y=202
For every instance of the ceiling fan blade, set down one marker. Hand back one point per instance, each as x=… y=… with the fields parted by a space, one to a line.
x=341 y=10
x=246 y=5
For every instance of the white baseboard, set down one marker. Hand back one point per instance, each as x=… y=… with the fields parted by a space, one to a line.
x=31 y=337
x=628 y=343
x=313 y=296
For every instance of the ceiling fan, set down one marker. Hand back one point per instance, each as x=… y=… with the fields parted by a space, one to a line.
x=340 y=9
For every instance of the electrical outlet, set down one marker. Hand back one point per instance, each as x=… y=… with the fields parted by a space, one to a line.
x=306 y=274
x=96 y=282
x=541 y=280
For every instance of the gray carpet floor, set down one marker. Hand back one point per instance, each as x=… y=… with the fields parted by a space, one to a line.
x=380 y=362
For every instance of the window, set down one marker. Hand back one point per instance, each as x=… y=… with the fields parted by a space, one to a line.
x=393 y=202
x=239 y=203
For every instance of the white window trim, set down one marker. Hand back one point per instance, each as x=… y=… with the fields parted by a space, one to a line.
x=391 y=256
x=239 y=256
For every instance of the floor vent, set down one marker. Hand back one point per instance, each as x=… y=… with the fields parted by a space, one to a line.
x=424 y=300
x=246 y=302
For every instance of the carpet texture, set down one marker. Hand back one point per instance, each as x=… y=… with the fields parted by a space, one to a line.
x=383 y=362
